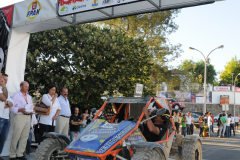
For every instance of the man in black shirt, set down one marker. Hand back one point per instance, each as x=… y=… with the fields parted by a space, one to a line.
x=75 y=121
x=154 y=131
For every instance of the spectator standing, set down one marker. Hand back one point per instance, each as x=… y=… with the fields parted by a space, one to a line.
x=222 y=129
x=179 y=122
x=84 y=121
x=183 y=124
x=232 y=123
x=85 y=112
x=21 y=123
x=236 y=123
x=175 y=120
x=205 y=117
x=47 y=122
x=212 y=121
x=209 y=124
x=219 y=124
x=62 y=124
x=192 y=125
x=4 y=117
x=201 y=125
x=76 y=121
x=228 y=126
x=189 y=120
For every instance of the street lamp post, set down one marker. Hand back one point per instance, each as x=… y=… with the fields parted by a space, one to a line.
x=205 y=73
x=234 y=92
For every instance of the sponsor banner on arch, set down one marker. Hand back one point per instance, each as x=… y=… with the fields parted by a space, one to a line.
x=32 y=11
x=67 y=7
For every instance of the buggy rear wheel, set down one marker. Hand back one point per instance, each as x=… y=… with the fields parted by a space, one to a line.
x=147 y=155
x=49 y=150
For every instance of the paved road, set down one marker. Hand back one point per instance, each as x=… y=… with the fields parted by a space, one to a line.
x=214 y=148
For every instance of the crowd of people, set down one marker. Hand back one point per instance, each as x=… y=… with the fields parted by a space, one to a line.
x=184 y=124
x=58 y=120
x=227 y=124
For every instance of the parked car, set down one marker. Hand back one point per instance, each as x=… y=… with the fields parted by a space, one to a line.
x=195 y=117
x=198 y=113
x=175 y=104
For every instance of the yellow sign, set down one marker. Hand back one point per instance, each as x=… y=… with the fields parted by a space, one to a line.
x=33 y=10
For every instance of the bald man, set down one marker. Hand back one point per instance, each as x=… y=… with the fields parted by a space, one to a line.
x=21 y=124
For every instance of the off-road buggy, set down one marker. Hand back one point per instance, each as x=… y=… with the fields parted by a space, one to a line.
x=120 y=136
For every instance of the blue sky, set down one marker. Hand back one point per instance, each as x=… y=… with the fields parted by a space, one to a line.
x=207 y=27
x=204 y=28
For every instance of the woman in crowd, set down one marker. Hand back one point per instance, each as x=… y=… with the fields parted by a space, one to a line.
x=84 y=120
x=85 y=112
x=201 y=122
x=47 y=122
x=175 y=120
x=219 y=123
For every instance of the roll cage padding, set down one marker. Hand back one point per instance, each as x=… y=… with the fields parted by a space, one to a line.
x=57 y=136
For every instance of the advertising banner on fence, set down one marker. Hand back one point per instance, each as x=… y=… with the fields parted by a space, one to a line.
x=187 y=96
x=222 y=88
x=237 y=89
x=5 y=24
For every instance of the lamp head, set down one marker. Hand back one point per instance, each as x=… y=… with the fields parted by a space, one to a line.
x=222 y=46
x=191 y=48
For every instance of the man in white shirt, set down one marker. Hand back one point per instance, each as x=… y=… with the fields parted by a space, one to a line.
x=4 y=116
x=236 y=123
x=188 y=123
x=232 y=123
x=62 y=124
x=228 y=126
x=209 y=121
x=22 y=122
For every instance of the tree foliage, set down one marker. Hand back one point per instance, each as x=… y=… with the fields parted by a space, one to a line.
x=196 y=69
x=232 y=66
x=154 y=28
x=87 y=60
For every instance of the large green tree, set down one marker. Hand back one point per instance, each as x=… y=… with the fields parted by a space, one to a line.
x=154 y=28
x=232 y=66
x=192 y=78
x=197 y=68
x=88 y=60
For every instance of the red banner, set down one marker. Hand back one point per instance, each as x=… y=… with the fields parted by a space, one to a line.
x=8 y=11
x=5 y=24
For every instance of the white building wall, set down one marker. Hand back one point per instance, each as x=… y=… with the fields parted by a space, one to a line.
x=216 y=96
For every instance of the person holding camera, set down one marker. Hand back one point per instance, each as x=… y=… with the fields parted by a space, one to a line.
x=47 y=122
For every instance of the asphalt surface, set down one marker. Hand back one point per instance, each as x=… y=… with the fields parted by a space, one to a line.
x=227 y=148
x=213 y=148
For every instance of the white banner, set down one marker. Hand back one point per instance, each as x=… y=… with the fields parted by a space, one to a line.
x=32 y=11
x=221 y=88
x=67 y=7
